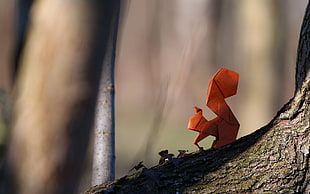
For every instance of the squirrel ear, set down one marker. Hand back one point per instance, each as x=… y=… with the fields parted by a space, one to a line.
x=194 y=120
x=197 y=109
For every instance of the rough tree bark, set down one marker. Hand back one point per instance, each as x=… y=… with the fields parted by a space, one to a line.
x=56 y=95
x=273 y=159
x=104 y=132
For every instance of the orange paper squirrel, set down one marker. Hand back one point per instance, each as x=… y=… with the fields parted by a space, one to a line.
x=225 y=126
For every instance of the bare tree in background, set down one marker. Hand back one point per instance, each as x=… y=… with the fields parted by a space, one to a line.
x=104 y=132
x=56 y=93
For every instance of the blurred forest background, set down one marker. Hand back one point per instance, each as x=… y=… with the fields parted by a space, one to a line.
x=167 y=51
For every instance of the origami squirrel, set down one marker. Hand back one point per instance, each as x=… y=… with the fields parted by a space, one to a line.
x=225 y=126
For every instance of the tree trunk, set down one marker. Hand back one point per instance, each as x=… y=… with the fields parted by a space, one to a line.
x=56 y=95
x=273 y=159
x=253 y=52
x=104 y=134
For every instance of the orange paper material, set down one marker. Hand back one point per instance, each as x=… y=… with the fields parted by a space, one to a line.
x=225 y=126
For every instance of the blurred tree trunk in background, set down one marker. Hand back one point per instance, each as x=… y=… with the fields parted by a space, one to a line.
x=257 y=19
x=6 y=40
x=56 y=95
x=6 y=48
x=104 y=126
